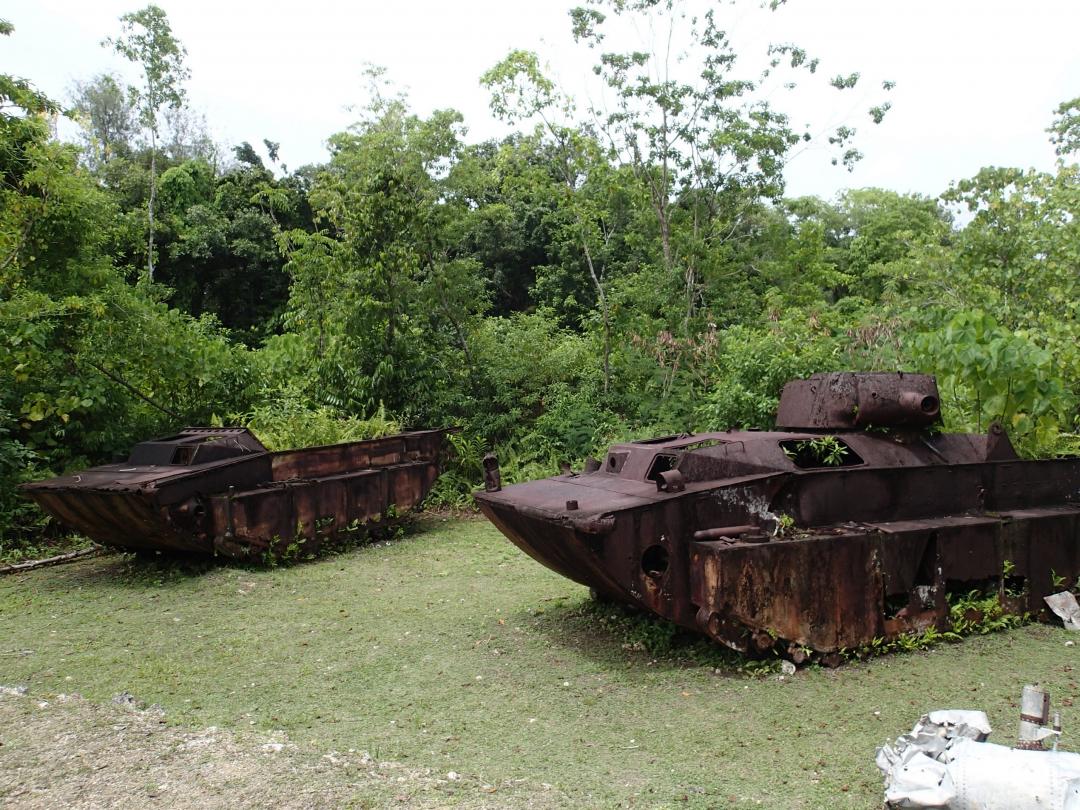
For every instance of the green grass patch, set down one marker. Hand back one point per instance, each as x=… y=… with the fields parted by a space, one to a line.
x=22 y=550
x=450 y=650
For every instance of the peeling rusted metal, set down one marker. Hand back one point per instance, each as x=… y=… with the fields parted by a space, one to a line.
x=220 y=491
x=857 y=521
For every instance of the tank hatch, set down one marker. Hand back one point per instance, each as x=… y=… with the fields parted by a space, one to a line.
x=194 y=446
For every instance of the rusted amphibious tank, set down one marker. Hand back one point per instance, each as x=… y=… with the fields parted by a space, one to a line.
x=220 y=491
x=854 y=520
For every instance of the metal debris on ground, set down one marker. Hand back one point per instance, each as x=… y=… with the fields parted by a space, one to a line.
x=946 y=763
x=1065 y=608
x=856 y=521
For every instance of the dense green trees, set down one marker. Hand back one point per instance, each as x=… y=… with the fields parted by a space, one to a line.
x=383 y=297
x=600 y=274
x=83 y=353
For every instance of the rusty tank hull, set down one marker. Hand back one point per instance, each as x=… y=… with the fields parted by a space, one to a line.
x=220 y=491
x=854 y=520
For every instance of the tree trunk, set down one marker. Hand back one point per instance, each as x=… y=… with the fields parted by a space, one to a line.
x=150 y=206
x=602 y=300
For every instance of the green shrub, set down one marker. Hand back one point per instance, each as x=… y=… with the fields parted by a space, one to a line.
x=462 y=473
x=754 y=363
x=20 y=519
x=987 y=372
x=286 y=422
x=522 y=362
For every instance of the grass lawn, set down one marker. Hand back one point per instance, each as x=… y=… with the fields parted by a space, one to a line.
x=450 y=650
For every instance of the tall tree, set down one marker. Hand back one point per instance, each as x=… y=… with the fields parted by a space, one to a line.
x=382 y=295
x=520 y=91
x=217 y=236
x=104 y=108
x=701 y=134
x=147 y=39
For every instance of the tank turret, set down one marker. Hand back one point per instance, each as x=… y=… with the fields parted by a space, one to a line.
x=849 y=400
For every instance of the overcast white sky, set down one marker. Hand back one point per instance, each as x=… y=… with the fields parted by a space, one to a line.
x=977 y=80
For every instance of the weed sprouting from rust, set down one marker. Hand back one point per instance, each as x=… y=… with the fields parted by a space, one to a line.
x=972 y=613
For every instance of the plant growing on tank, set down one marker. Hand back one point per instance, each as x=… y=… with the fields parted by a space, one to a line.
x=829 y=450
x=823 y=451
x=1012 y=586
x=784 y=524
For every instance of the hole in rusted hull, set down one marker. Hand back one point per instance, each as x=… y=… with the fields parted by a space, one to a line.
x=896 y=603
x=661 y=464
x=828 y=451
x=1015 y=586
x=963 y=587
x=926 y=573
x=654 y=561
x=183 y=455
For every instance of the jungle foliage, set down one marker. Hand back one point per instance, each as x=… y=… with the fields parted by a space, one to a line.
x=599 y=274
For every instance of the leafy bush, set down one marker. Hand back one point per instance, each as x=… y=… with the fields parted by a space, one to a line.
x=463 y=472
x=988 y=373
x=753 y=365
x=19 y=518
x=287 y=421
x=567 y=430
x=521 y=363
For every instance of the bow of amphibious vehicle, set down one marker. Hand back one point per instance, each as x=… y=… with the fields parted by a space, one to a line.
x=220 y=491
x=855 y=519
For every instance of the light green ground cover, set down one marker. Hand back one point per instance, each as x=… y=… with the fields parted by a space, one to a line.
x=449 y=650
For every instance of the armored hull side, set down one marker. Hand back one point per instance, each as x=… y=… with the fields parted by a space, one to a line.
x=819 y=537
x=219 y=491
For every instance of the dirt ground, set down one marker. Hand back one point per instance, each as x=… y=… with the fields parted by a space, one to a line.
x=65 y=751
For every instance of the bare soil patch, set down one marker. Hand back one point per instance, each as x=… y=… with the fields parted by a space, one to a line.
x=65 y=751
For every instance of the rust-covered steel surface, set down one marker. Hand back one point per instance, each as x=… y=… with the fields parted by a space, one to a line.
x=220 y=491
x=855 y=520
